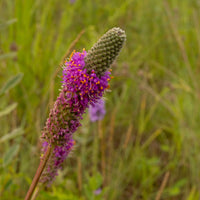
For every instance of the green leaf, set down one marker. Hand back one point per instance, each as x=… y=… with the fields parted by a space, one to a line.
x=8 y=184
x=12 y=82
x=8 y=23
x=95 y=181
x=10 y=154
x=16 y=132
x=8 y=55
x=8 y=109
x=194 y=194
x=176 y=188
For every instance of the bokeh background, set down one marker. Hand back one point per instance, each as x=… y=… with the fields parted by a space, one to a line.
x=148 y=144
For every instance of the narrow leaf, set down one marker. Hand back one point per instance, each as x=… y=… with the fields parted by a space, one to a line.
x=16 y=132
x=11 y=83
x=8 y=23
x=8 y=55
x=8 y=109
x=10 y=154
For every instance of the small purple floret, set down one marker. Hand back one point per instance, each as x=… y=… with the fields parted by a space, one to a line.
x=97 y=111
x=55 y=161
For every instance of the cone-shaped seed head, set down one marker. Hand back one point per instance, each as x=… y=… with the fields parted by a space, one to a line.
x=104 y=52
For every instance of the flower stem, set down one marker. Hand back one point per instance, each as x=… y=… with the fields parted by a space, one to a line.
x=38 y=172
x=35 y=193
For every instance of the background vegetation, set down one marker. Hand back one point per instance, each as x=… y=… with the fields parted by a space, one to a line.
x=148 y=144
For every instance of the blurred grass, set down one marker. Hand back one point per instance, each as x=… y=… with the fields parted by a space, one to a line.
x=147 y=147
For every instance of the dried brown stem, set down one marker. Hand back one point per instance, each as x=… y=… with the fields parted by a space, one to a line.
x=72 y=45
x=67 y=54
x=128 y=136
x=164 y=182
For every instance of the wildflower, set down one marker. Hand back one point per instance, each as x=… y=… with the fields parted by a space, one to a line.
x=83 y=84
x=97 y=111
x=98 y=191
x=79 y=89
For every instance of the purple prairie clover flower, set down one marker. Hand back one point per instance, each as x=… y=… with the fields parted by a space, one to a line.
x=79 y=89
x=88 y=88
x=97 y=111
x=85 y=79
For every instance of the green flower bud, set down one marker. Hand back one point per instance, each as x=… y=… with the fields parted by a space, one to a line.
x=104 y=52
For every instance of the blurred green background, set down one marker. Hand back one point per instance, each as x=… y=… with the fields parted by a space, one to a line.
x=148 y=145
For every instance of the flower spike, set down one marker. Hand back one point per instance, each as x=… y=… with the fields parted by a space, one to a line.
x=85 y=79
x=105 y=51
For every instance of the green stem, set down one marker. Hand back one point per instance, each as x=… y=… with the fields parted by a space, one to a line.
x=35 y=193
x=38 y=173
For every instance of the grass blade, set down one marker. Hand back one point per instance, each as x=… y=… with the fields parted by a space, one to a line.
x=10 y=154
x=8 y=109
x=12 y=82
x=16 y=132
